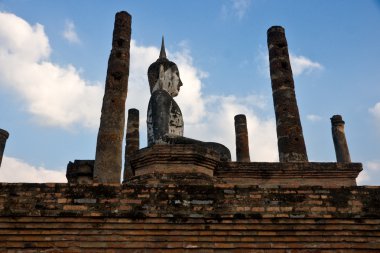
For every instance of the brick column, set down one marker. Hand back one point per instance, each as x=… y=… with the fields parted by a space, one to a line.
x=339 y=138
x=291 y=144
x=3 y=139
x=132 y=141
x=108 y=158
x=242 y=143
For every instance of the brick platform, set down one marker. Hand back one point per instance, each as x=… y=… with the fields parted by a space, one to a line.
x=168 y=217
x=290 y=174
x=195 y=159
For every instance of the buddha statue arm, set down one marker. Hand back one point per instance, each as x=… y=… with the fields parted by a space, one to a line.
x=224 y=152
x=160 y=106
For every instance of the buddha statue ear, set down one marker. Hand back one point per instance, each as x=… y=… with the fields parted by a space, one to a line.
x=161 y=75
x=160 y=79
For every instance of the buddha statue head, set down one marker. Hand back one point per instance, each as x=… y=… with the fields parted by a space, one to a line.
x=164 y=75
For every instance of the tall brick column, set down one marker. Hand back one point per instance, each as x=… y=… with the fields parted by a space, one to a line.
x=108 y=158
x=132 y=141
x=339 y=138
x=242 y=144
x=3 y=139
x=291 y=144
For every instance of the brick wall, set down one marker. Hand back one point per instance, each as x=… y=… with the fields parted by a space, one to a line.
x=184 y=218
x=289 y=174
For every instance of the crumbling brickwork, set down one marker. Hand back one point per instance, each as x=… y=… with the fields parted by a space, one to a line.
x=339 y=138
x=171 y=217
x=132 y=141
x=241 y=137
x=289 y=174
x=291 y=144
x=108 y=157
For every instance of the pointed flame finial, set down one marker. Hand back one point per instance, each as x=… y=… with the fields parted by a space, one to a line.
x=162 y=52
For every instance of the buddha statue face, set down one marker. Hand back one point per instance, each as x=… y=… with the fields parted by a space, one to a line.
x=170 y=81
x=164 y=77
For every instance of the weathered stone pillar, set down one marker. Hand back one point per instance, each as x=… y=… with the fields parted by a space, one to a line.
x=291 y=144
x=108 y=158
x=132 y=140
x=339 y=138
x=242 y=143
x=3 y=139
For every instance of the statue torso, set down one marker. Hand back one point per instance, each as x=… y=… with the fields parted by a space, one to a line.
x=164 y=117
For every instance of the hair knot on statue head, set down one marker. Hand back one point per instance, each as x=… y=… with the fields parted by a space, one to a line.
x=164 y=75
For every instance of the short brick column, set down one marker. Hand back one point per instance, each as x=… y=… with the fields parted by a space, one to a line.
x=132 y=141
x=339 y=138
x=242 y=143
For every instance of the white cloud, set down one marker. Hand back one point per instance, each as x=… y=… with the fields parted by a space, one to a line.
x=375 y=111
x=363 y=178
x=373 y=166
x=313 y=117
x=241 y=7
x=371 y=171
x=138 y=86
x=69 y=32
x=190 y=96
x=13 y=170
x=301 y=64
x=218 y=125
x=237 y=8
x=20 y=39
x=55 y=95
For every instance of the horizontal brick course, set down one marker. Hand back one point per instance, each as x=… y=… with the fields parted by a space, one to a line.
x=184 y=218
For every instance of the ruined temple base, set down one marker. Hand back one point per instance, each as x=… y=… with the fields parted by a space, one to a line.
x=290 y=174
x=191 y=163
x=178 y=218
x=175 y=159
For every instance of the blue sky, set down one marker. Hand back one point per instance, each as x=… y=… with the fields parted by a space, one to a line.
x=53 y=60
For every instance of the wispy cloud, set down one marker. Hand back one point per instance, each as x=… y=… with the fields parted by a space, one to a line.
x=237 y=8
x=69 y=32
x=313 y=117
x=240 y=7
x=375 y=111
x=300 y=64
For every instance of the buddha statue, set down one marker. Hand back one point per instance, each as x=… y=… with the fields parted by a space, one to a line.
x=164 y=119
